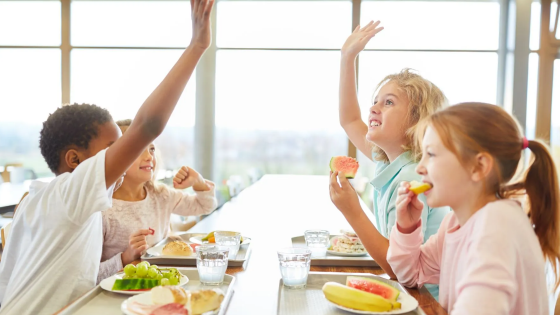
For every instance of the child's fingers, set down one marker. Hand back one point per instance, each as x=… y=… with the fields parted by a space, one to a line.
x=136 y=239
x=356 y=29
x=141 y=232
x=208 y=9
x=334 y=183
x=344 y=183
x=416 y=203
x=367 y=25
x=372 y=26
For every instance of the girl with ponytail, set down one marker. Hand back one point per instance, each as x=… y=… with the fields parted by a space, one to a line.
x=489 y=254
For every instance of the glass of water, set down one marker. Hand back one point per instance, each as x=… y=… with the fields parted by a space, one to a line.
x=318 y=242
x=294 y=266
x=211 y=262
x=230 y=240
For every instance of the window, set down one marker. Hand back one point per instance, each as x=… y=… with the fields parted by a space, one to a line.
x=276 y=100
x=120 y=80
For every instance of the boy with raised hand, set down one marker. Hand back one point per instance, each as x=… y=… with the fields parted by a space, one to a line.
x=56 y=240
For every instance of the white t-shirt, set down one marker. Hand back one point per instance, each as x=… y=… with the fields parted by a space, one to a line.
x=53 y=253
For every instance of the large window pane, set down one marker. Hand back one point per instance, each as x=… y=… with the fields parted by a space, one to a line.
x=434 y=25
x=277 y=110
x=29 y=91
x=30 y=23
x=461 y=76
x=131 y=23
x=532 y=81
x=283 y=24
x=121 y=80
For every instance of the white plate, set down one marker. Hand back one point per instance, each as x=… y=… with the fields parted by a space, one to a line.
x=108 y=283
x=157 y=251
x=146 y=298
x=408 y=303
x=198 y=240
x=332 y=252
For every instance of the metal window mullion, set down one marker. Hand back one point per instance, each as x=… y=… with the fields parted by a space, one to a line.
x=65 y=49
x=547 y=54
x=502 y=52
x=204 y=128
x=356 y=13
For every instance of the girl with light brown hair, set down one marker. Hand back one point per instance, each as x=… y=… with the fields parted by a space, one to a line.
x=489 y=254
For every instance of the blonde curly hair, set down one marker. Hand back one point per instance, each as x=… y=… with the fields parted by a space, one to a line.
x=424 y=97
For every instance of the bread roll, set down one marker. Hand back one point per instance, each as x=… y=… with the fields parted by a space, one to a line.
x=177 y=248
x=203 y=301
x=169 y=294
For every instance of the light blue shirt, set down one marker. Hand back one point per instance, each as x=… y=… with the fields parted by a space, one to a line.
x=388 y=177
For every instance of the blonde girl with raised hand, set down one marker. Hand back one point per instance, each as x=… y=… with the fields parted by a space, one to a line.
x=489 y=254
x=387 y=138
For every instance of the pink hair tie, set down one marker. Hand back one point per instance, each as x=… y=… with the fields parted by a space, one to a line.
x=525 y=143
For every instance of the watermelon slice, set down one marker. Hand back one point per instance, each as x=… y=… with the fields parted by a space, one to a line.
x=344 y=165
x=134 y=284
x=373 y=286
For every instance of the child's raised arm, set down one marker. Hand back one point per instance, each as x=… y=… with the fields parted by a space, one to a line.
x=152 y=117
x=349 y=109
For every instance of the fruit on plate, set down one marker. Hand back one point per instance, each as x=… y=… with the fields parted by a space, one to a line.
x=356 y=299
x=207 y=237
x=344 y=165
x=418 y=187
x=176 y=300
x=373 y=286
x=134 y=284
x=211 y=239
x=145 y=271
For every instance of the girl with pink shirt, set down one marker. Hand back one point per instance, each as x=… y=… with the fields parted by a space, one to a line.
x=489 y=254
x=141 y=211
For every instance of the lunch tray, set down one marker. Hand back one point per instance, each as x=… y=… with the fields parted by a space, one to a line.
x=99 y=301
x=240 y=259
x=333 y=260
x=311 y=300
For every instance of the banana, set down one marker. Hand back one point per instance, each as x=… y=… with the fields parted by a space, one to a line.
x=356 y=299
x=211 y=234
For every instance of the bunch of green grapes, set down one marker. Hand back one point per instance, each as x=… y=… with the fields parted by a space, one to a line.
x=166 y=276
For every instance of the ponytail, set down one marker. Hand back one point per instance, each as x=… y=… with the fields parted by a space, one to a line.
x=541 y=186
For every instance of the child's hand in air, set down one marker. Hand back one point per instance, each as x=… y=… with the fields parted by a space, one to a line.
x=202 y=33
x=187 y=177
x=344 y=196
x=409 y=209
x=136 y=246
x=357 y=41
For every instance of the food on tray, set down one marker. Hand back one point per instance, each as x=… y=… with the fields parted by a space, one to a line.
x=348 y=242
x=418 y=187
x=373 y=286
x=211 y=239
x=167 y=300
x=134 y=284
x=169 y=294
x=203 y=301
x=356 y=299
x=167 y=309
x=344 y=165
x=153 y=276
x=177 y=248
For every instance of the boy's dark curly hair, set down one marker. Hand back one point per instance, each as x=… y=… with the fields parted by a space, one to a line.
x=74 y=124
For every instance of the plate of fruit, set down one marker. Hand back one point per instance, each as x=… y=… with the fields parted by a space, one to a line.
x=209 y=238
x=141 y=278
x=363 y=295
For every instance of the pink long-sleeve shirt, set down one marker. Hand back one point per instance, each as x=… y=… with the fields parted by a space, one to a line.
x=493 y=264
x=127 y=217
